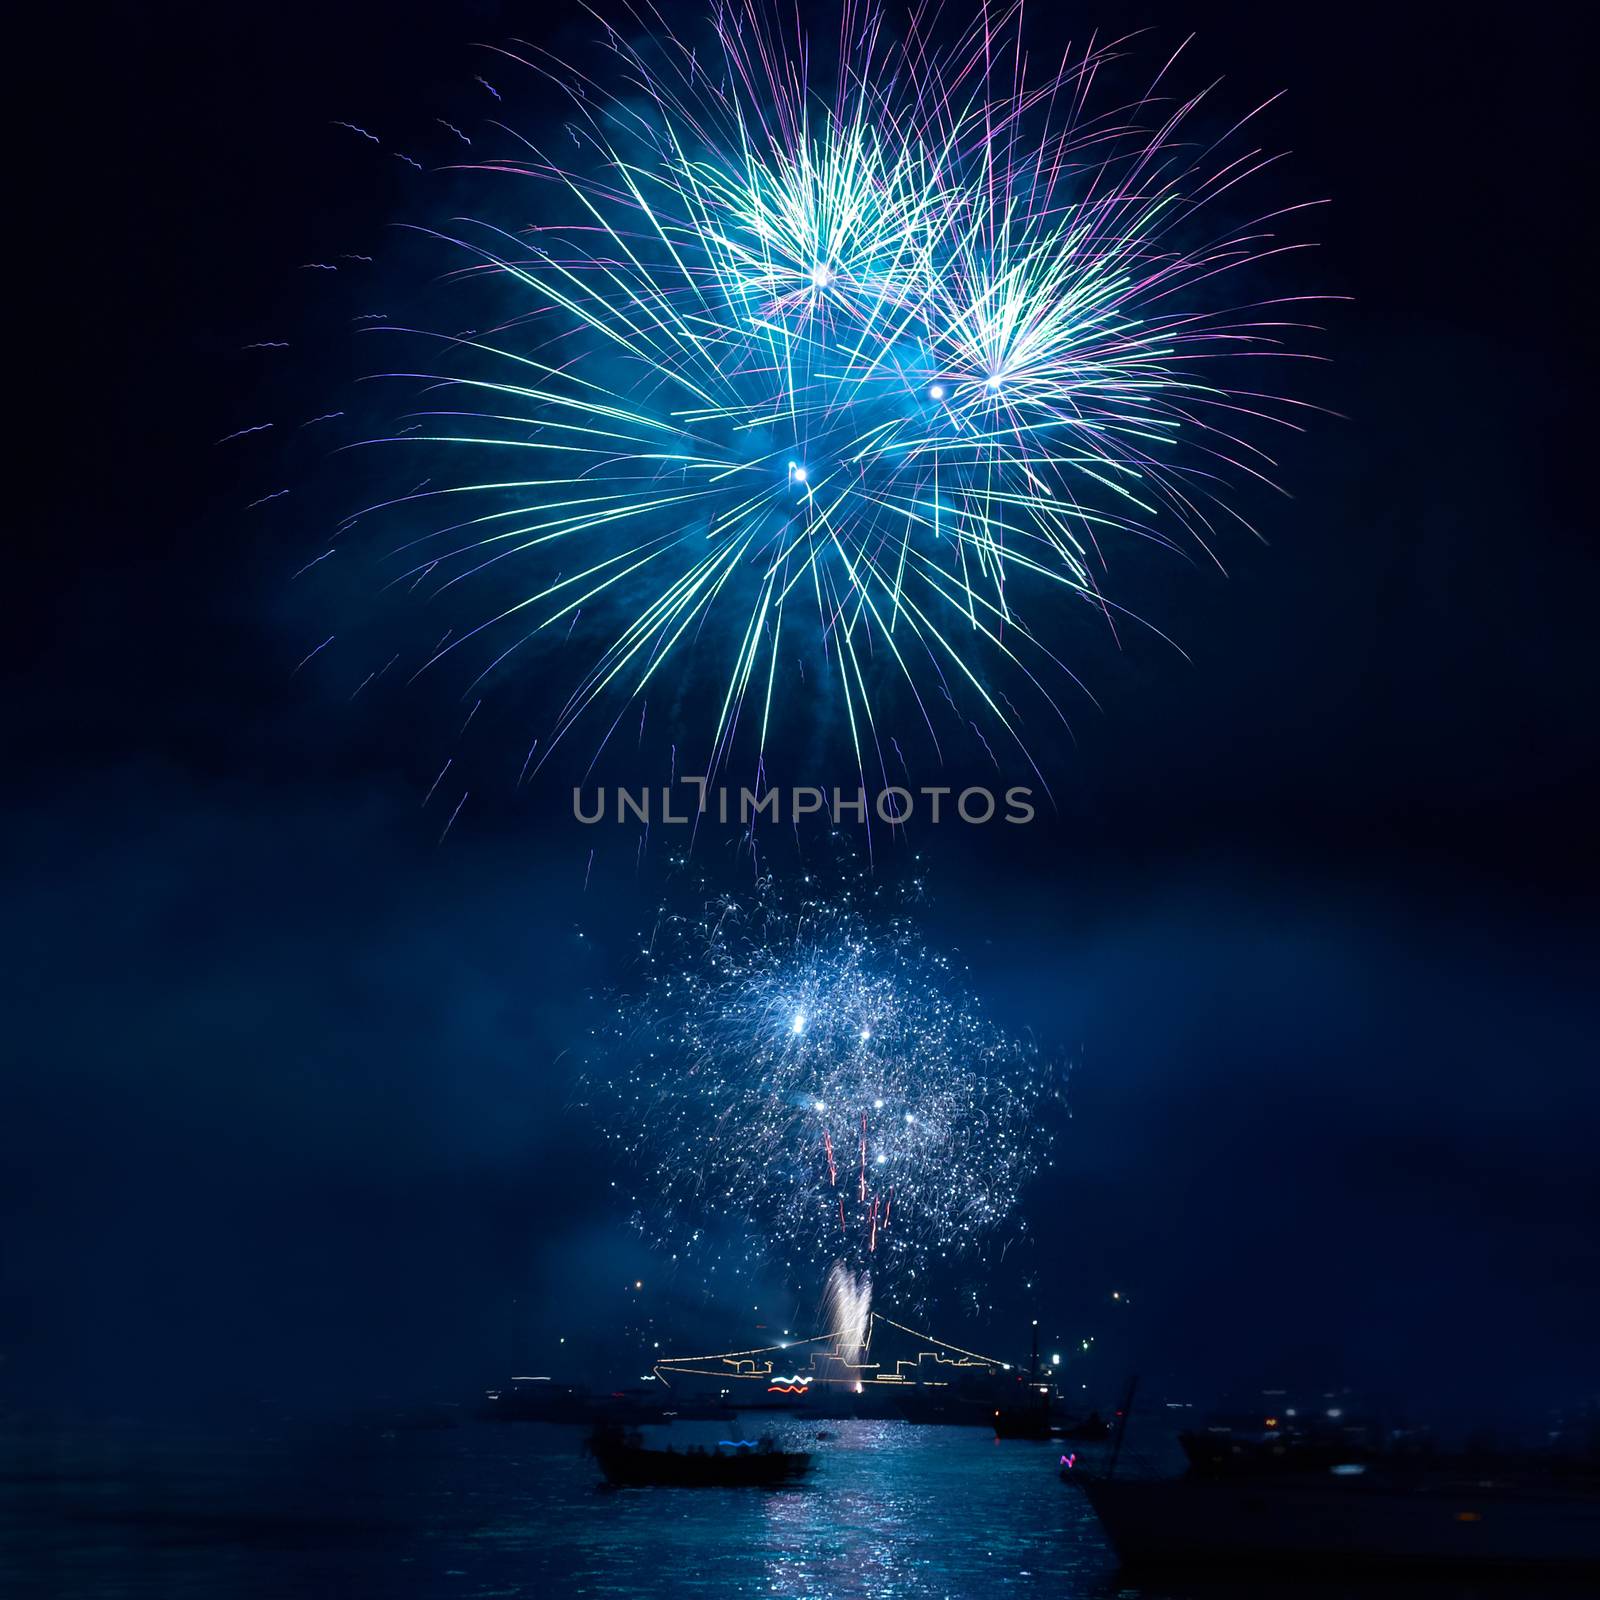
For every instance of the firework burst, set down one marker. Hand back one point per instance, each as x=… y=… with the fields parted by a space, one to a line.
x=849 y=369
x=806 y=1090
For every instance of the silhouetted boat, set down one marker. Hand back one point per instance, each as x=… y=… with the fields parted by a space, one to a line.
x=1033 y=1420
x=1091 y=1429
x=627 y=1463
x=1029 y=1419
x=1302 y=1520
x=1317 y=1499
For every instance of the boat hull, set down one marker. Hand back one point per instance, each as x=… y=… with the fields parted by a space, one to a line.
x=1188 y=1523
x=629 y=1467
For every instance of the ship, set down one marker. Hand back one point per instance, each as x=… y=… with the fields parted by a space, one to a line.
x=1030 y=1408
x=893 y=1372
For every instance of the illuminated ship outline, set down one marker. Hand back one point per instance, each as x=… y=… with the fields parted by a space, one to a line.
x=774 y=1370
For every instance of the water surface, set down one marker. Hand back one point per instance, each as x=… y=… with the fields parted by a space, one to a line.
x=892 y=1512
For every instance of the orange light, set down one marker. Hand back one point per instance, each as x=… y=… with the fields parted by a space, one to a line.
x=1272 y=1422
x=1468 y=1516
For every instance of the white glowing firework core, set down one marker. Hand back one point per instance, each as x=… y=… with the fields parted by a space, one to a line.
x=849 y=1306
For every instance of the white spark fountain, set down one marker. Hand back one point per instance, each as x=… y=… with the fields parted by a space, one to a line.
x=849 y=1300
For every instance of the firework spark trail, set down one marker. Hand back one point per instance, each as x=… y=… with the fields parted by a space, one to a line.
x=907 y=352
x=848 y=1306
x=760 y=1038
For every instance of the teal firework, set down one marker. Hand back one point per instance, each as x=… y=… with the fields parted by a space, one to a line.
x=847 y=380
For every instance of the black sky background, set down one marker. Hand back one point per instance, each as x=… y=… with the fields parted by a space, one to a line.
x=282 y=1112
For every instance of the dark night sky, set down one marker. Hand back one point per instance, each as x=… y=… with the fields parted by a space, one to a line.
x=281 y=1113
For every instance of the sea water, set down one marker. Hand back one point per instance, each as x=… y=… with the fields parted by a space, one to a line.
x=891 y=1511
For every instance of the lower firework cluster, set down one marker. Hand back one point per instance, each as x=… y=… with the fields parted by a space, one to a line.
x=797 y=1086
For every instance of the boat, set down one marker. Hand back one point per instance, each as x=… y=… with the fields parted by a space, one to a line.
x=1028 y=1420
x=1341 y=1500
x=1033 y=1420
x=628 y=1463
x=1092 y=1429
x=1330 y=1520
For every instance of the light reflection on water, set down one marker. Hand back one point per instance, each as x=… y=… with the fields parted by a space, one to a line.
x=892 y=1512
